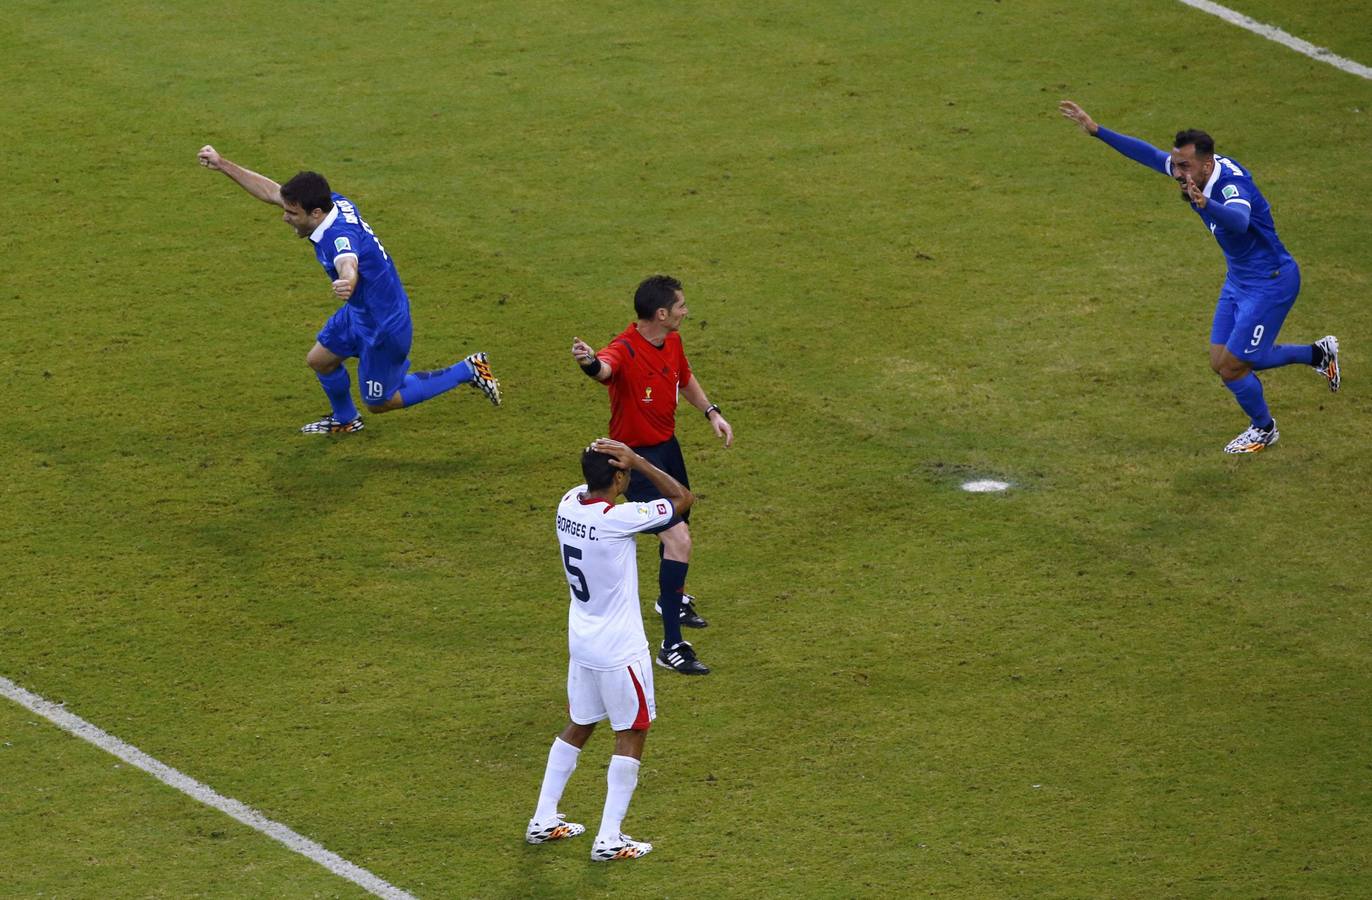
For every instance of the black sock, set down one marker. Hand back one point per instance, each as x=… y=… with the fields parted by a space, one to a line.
x=671 y=580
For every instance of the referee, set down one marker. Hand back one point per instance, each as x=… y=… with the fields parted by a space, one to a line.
x=644 y=368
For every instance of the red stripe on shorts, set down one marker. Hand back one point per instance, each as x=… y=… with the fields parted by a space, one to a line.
x=641 y=721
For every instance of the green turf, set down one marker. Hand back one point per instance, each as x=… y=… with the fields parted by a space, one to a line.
x=1142 y=672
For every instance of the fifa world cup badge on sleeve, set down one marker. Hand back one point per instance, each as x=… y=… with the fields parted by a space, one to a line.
x=341 y=245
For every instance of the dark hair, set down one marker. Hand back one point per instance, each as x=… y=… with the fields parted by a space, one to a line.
x=1205 y=144
x=309 y=191
x=596 y=468
x=658 y=292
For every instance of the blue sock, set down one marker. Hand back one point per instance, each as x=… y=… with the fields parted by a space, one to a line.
x=338 y=388
x=1284 y=355
x=1248 y=391
x=421 y=386
x=671 y=581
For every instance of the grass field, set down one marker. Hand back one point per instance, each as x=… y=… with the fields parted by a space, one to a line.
x=1144 y=671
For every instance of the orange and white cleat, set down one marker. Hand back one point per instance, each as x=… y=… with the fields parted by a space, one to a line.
x=1329 y=365
x=483 y=379
x=554 y=829
x=622 y=847
x=330 y=425
x=1253 y=440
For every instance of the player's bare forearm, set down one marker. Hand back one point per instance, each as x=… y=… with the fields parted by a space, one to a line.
x=624 y=457
x=259 y=186
x=666 y=485
x=346 y=282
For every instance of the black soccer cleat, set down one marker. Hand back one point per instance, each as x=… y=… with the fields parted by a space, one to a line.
x=681 y=658
x=688 y=618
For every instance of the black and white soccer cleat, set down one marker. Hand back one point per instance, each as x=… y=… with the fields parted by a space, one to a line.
x=681 y=658
x=330 y=425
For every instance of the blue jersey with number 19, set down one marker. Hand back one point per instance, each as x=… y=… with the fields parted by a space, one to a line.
x=379 y=304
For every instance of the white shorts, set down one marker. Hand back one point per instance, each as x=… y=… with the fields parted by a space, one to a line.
x=623 y=695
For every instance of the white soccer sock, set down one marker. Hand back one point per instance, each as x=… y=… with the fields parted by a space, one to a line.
x=561 y=764
x=623 y=778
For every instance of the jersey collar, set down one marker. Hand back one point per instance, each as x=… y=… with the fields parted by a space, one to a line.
x=318 y=233
x=1214 y=177
x=592 y=501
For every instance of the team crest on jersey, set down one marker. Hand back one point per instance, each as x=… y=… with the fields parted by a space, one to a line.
x=1229 y=192
x=341 y=244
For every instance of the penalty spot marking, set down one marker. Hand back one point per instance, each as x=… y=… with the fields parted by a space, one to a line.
x=1272 y=33
x=984 y=486
x=130 y=754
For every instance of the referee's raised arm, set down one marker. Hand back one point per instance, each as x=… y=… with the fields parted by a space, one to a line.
x=590 y=364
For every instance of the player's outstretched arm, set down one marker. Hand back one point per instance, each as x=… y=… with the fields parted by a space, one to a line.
x=695 y=395
x=260 y=186
x=1078 y=115
x=623 y=457
x=585 y=357
x=1139 y=151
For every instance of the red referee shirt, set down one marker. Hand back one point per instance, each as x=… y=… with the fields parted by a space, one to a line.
x=643 y=386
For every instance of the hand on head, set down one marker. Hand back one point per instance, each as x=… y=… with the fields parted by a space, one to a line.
x=621 y=456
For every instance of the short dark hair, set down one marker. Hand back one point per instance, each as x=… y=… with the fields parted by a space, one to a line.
x=309 y=191
x=596 y=469
x=1205 y=144
x=658 y=292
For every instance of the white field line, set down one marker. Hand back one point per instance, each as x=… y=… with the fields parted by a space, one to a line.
x=1273 y=33
x=189 y=786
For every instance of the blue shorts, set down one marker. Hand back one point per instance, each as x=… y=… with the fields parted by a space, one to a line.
x=1248 y=318
x=667 y=457
x=381 y=363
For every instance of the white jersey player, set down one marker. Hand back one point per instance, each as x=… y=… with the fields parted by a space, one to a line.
x=610 y=675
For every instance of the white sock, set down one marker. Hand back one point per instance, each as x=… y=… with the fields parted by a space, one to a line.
x=622 y=778
x=561 y=764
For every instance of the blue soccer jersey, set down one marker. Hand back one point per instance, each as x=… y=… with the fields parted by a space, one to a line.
x=1254 y=253
x=378 y=304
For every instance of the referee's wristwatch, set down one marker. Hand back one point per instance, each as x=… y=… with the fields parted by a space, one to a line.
x=713 y=407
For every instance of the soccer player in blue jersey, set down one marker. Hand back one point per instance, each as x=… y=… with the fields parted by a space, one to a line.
x=374 y=323
x=1261 y=284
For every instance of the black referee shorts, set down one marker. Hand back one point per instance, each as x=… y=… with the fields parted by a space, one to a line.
x=667 y=457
